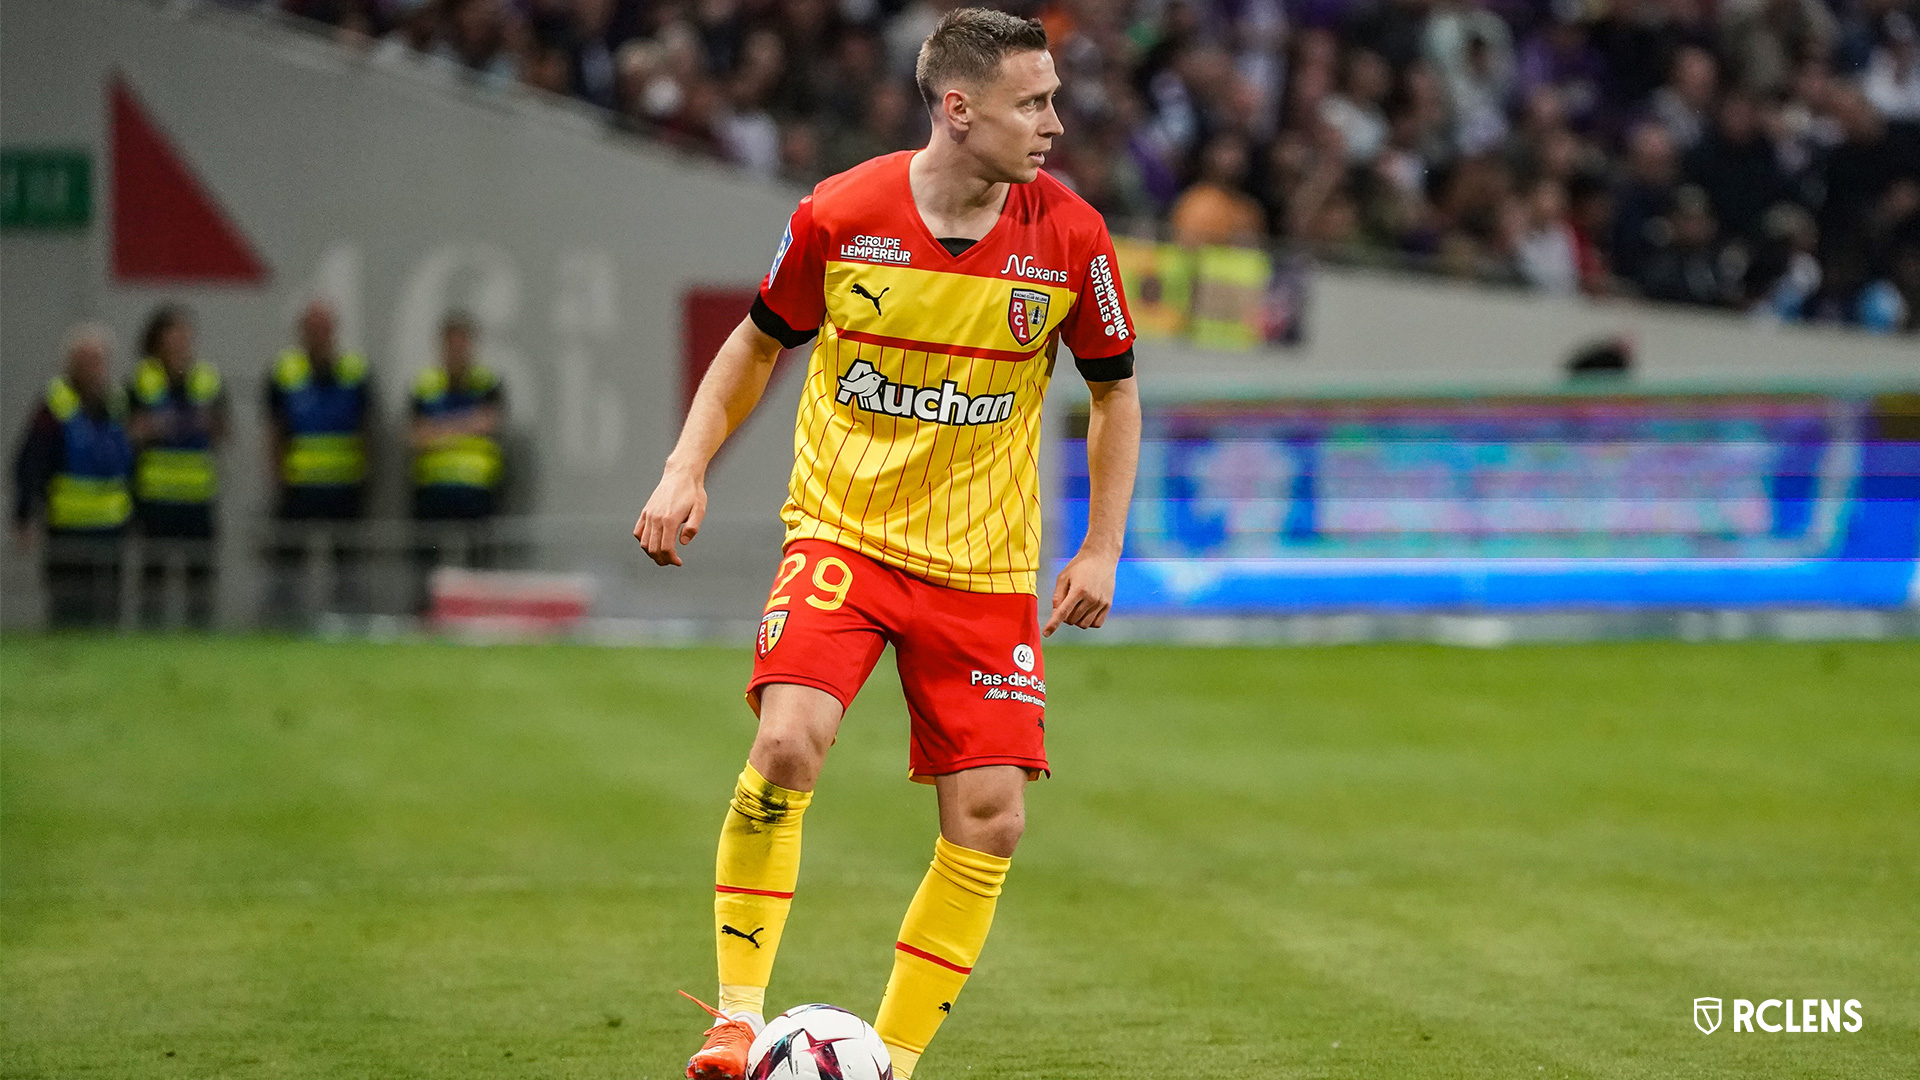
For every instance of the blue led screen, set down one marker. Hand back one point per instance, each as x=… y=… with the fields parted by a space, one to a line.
x=1750 y=500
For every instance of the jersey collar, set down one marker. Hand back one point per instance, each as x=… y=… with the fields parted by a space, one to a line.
x=920 y=224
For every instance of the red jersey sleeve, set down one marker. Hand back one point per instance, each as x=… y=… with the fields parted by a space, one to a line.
x=793 y=292
x=1098 y=329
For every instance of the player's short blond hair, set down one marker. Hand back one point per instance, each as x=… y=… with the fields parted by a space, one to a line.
x=967 y=47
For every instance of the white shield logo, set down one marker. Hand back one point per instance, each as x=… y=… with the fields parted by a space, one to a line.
x=1706 y=1015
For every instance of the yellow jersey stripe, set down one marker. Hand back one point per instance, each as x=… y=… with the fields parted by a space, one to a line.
x=949 y=313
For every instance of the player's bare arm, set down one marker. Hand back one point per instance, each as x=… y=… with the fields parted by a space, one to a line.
x=1083 y=593
x=731 y=388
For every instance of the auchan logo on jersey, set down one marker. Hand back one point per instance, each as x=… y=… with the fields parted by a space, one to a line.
x=866 y=388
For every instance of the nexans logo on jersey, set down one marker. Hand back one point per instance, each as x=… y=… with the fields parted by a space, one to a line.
x=919 y=425
x=1024 y=266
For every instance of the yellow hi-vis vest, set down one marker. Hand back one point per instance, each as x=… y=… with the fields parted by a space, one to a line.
x=90 y=490
x=324 y=443
x=181 y=473
x=455 y=460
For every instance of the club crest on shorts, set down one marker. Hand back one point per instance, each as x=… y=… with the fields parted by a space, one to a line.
x=772 y=625
x=1027 y=314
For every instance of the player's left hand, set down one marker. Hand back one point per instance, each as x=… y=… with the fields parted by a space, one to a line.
x=1083 y=593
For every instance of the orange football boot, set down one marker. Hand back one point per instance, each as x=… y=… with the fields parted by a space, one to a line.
x=724 y=1056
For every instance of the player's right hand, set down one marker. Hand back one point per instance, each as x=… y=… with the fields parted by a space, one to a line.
x=672 y=515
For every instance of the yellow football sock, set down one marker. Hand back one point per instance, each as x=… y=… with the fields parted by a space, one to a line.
x=754 y=876
x=940 y=940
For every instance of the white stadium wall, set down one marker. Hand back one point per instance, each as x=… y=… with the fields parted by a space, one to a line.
x=398 y=193
x=1370 y=332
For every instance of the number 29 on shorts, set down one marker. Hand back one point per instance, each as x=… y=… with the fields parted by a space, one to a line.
x=832 y=577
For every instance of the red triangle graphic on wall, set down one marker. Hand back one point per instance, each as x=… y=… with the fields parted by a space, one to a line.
x=167 y=227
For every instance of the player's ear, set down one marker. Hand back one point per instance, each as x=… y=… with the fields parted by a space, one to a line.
x=956 y=108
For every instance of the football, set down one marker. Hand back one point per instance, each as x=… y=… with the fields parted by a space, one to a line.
x=818 y=1042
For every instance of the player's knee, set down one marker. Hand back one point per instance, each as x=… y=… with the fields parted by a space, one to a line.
x=788 y=752
x=797 y=726
x=995 y=827
x=1008 y=828
x=795 y=751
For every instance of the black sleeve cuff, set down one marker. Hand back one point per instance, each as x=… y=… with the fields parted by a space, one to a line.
x=776 y=327
x=1106 y=368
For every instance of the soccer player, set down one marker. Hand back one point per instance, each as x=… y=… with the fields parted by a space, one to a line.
x=940 y=283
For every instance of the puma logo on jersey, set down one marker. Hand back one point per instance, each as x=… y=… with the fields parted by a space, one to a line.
x=753 y=937
x=861 y=291
x=866 y=388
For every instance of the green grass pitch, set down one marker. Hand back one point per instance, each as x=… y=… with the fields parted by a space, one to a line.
x=267 y=858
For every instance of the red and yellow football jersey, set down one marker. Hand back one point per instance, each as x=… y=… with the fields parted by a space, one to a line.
x=917 y=440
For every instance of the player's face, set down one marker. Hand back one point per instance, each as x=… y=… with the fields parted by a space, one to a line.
x=1015 y=124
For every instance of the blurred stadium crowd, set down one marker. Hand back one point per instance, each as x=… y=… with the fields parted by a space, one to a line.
x=1761 y=155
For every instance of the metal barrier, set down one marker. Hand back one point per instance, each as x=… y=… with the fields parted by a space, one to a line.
x=311 y=575
x=137 y=582
x=376 y=567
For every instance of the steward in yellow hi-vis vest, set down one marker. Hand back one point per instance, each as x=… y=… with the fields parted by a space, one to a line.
x=178 y=417
x=320 y=401
x=76 y=462
x=74 y=471
x=457 y=410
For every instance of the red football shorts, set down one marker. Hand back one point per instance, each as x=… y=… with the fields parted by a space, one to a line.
x=969 y=662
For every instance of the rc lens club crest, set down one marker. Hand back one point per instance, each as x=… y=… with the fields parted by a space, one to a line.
x=1027 y=314
x=772 y=625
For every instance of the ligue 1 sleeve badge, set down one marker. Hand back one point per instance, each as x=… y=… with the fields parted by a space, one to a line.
x=1027 y=314
x=772 y=624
